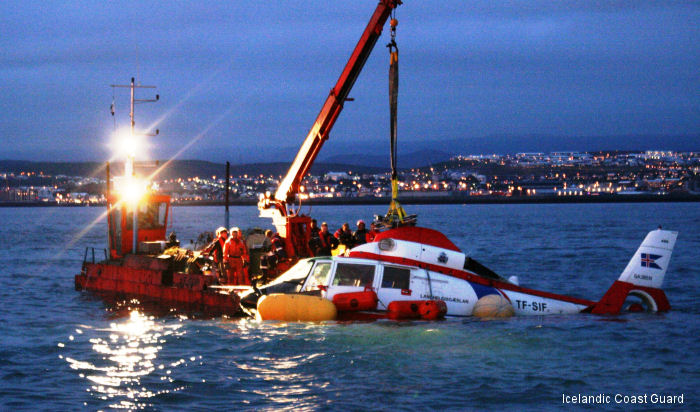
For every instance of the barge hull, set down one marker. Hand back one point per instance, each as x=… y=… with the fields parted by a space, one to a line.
x=150 y=277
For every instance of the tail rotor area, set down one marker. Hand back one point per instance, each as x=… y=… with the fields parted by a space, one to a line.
x=639 y=301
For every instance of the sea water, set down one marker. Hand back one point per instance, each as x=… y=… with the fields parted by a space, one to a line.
x=66 y=350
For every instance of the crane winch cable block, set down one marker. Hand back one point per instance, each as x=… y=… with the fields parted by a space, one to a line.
x=396 y=216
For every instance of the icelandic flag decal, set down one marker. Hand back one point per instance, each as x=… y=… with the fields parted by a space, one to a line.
x=649 y=260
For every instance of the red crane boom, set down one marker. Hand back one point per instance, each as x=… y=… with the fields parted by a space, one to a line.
x=292 y=227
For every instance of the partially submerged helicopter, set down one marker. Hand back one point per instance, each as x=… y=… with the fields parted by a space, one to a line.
x=420 y=265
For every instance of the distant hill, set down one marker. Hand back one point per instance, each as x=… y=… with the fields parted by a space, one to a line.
x=54 y=168
x=366 y=156
x=404 y=161
x=190 y=168
x=174 y=169
x=507 y=144
x=431 y=150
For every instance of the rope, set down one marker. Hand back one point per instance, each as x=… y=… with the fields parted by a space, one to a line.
x=396 y=215
x=393 y=101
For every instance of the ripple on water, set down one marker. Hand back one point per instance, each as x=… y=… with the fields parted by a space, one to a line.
x=64 y=350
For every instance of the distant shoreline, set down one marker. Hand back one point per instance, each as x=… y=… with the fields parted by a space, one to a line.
x=418 y=200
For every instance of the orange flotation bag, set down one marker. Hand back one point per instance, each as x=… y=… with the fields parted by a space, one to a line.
x=416 y=309
x=355 y=301
x=433 y=309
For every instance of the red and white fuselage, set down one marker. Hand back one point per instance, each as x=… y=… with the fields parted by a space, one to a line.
x=420 y=264
x=451 y=276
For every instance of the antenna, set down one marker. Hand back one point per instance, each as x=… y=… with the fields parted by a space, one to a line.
x=129 y=164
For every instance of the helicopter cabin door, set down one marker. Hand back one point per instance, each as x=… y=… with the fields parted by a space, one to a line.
x=395 y=285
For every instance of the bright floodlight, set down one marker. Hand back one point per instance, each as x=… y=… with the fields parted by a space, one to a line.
x=126 y=144
x=133 y=190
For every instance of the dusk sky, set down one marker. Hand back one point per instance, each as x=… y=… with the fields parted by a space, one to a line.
x=243 y=80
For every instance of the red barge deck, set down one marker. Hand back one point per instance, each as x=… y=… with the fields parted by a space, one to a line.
x=157 y=279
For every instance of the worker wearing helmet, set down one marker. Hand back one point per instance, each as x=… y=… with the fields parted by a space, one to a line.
x=373 y=231
x=360 y=235
x=216 y=250
x=314 y=239
x=237 y=258
x=344 y=236
x=327 y=240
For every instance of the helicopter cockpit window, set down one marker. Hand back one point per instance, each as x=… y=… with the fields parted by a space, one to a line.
x=319 y=276
x=291 y=280
x=353 y=275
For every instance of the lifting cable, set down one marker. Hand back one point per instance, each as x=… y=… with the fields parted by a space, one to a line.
x=111 y=110
x=396 y=215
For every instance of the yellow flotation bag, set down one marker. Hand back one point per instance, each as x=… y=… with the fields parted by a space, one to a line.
x=296 y=308
x=493 y=306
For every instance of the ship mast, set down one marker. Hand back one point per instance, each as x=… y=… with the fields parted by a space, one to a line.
x=129 y=172
x=129 y=163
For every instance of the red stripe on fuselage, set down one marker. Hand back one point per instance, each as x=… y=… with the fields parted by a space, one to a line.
x=470 y=277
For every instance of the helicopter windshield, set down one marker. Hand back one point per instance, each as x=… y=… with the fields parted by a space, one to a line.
x=291 y=280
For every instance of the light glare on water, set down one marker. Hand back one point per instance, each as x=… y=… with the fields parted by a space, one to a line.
x=127 y=352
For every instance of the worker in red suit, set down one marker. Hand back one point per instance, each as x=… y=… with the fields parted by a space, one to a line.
x=373 y=232
x=237 y=258
x=327 y=241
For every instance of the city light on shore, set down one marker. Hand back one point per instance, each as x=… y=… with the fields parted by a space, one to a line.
x=573 y=175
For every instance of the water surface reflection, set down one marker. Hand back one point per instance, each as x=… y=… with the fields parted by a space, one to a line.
x=123 y=368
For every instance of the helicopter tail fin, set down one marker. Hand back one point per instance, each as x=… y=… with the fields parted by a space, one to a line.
x=642 y=277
